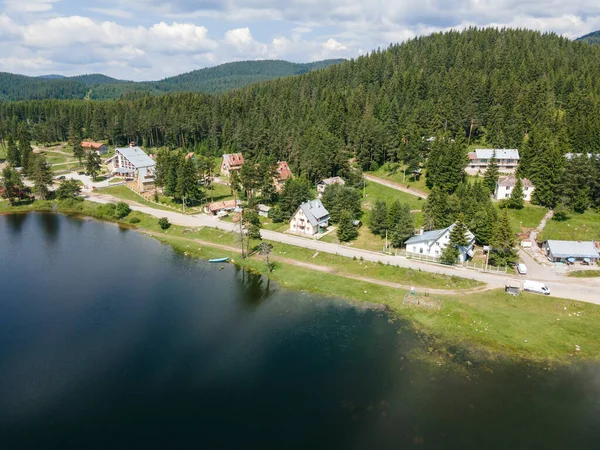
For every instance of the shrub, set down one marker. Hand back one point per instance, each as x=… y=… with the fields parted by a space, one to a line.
x=163 y=222
x=122 y=210
x=134 y=220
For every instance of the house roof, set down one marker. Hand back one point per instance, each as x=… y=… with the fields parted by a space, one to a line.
x=218 y=206
x=283 y=171
x=314 y=211
x=122 y=170
x=333 y=180
x=501 y=153
x=233 y=159
x=94 y=145
x=264 y=208
x=573 y=249
x=136 y=156
x=573 y=155
x=512 y=180
x=434 y=235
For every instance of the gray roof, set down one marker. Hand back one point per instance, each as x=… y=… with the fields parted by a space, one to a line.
x=136 y=156
x=573 y=249
x=501 y=153
x=434 y=235
x=314 y=211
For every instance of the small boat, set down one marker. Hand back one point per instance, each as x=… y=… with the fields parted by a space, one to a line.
x=218 y=260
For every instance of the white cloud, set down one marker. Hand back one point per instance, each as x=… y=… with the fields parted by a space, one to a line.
x=113 y=12
x=241 y=40
x=14 y=64
x=29 y=6
x=333 y=46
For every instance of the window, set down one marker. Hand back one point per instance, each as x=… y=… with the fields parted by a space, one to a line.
x=506 y=195
x=525 y=188
x=421 y=250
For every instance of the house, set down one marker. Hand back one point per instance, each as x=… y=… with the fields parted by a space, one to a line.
x=432 y=243
x=231 y=162
x=221 y=208
x=507 y=159
x=559 y=251
x=505 y=186
x=98 y=147
x=283 y=174
x=310 y=218
x=328 y=182
x=133 y=162
x=263 y=210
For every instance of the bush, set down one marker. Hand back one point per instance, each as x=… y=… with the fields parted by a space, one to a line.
x=106 y=211
x=122 y=210
x=134 y=220
x=163 y=222
x=561 y=213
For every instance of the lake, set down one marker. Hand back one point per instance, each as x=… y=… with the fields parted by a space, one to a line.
x=109 y=339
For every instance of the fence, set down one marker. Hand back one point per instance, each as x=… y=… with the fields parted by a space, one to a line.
x=481 y=267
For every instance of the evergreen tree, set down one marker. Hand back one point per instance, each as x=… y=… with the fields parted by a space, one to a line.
x=41 y=174
x=25 y=149
x=440 y=209
x=187 y=188
x=581 y=202
x=68 y=189
x=295 y=192
x=92 y=164
x=78 y=151
x=482 y=224
x=346 y=230
x=503 y=250
x=458 y=238
x=403 y=227
x=490 y=178
x=13 y=155
x=338 y=198
x=172 y=163
x=516 y=200
x=378 y=222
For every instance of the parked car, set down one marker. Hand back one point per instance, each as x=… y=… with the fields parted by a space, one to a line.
x=62 y=177
x=522 y=269
x=80 y=173
x=536 y=287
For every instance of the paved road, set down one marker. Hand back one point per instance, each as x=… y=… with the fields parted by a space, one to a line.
x=397 y=186
x=575 y=289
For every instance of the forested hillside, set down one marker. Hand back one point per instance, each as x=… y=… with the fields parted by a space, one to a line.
x=521 y=89
x=100 y=87
x=591 y=38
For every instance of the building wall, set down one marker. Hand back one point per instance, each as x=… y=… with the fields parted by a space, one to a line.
x=435 y=248
x=503 y=192
x=299 y=224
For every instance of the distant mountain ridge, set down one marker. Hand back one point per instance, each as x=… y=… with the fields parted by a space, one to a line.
x=220 y=78
x=591 y=38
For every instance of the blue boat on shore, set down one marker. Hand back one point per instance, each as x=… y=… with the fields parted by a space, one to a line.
x=218 y=260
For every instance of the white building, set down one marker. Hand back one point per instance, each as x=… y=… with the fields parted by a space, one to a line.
x=133 y=162
x=328 y=182
x=507 y=159
x=310 y=218
x=506 y=185
x=432 y=243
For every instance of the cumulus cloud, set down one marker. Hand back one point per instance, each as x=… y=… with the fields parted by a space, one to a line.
x=241 y=40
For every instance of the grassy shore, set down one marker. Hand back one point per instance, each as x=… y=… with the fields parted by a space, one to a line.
x=579 y=227
x=536 y=328
x=585 y=274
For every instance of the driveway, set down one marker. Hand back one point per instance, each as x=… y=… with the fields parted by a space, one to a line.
x=397 y=186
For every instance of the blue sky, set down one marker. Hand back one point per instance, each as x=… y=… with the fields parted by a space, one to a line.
x=152 y=39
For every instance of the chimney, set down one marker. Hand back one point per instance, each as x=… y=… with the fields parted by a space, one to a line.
x=421 y=230
x=132 y=144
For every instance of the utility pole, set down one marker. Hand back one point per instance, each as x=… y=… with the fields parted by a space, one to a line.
x=487 y=257
x=184 y=203
x=242 y=232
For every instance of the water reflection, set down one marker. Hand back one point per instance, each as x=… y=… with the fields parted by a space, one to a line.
x=15 y=222
x=255 y=287
x=50 y=224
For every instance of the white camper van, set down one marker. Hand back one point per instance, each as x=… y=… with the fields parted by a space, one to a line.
x=536 y=287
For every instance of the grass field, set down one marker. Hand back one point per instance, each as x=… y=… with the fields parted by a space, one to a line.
x=528 y=217
x=395 y=173
x=584 y=274
x=538 y=328
x=580 y=227
x=219 y=192
x=376 y=191
x=127 y=194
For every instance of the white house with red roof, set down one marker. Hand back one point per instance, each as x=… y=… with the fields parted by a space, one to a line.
x=231 y=162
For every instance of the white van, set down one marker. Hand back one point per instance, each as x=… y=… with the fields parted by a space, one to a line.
x=536 y=287
x=522 y=269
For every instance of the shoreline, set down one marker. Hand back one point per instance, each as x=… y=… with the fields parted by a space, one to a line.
x=443 y=339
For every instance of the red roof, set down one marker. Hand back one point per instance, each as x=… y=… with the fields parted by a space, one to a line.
x=233 y=159
x=94 y=145
x=283 y=170
x=218 y=206
x=472 y=155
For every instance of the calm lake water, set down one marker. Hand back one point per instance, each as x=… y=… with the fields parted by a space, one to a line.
x=110 y=340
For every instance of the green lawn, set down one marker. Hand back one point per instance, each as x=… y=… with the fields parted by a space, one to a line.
x=376 y=191
x=219 y=193
x=528 y=217
x=115 y=180
x=395 y=173
x=125 y=193
x=580 y=227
